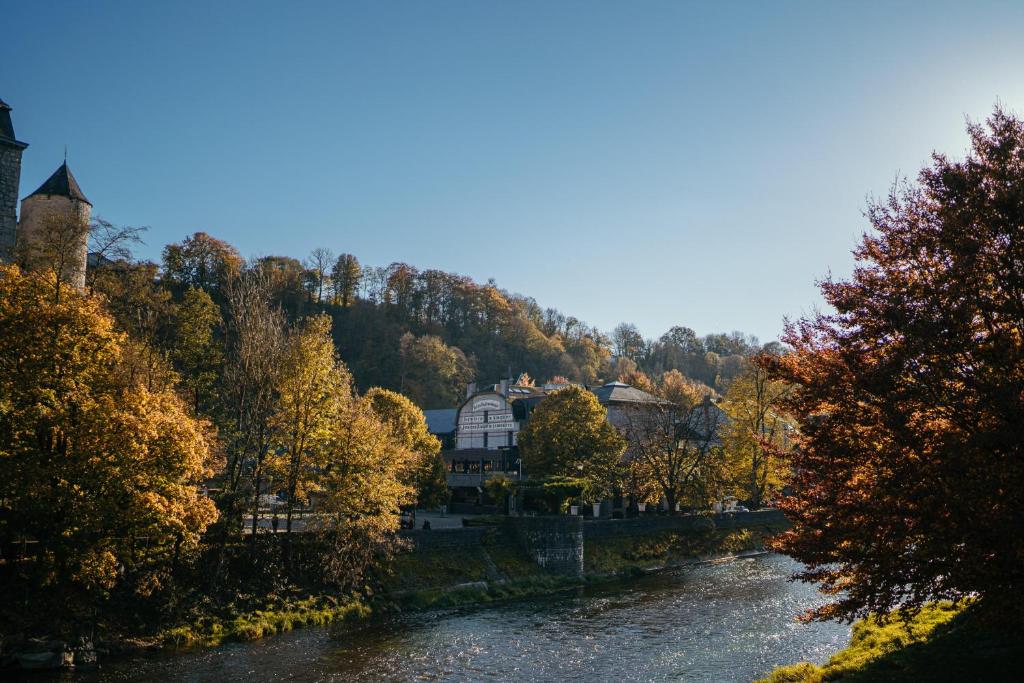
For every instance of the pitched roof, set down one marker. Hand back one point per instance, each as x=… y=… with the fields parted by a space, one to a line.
x=441 y=421
x=62 y=184
x=617 y=392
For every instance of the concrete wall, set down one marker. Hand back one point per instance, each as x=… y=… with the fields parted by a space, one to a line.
x=10 y=176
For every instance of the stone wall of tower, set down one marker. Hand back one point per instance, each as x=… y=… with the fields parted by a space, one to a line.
x=10 y=177
x=55 y=228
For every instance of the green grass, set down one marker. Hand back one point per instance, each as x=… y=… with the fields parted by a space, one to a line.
x=255 y=624
x=482 y=593
x=942 y=642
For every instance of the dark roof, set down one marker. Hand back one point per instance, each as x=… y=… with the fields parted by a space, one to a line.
x=7 y=127
x=617 y=392
x=62 y=184
x=441 y=421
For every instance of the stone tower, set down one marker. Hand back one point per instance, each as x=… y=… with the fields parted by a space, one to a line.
x=10 y=177
x=54 y=227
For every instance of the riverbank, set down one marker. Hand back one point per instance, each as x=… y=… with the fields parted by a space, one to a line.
x=445 y=568
x=943 y=642
x=490 y=571
x=713 y=621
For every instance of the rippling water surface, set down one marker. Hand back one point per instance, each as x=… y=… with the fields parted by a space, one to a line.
x=730 y=621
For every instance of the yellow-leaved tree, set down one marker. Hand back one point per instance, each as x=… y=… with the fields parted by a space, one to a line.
x=426 y=471
x=675 y=442
x=757 y=434
x=332 y=443
x=98 y=470
x=569 y=437
x=311 y=385
x=364 y=485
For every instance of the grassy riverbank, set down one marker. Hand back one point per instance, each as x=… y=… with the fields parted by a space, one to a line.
x=448 y=578
x=943 y=642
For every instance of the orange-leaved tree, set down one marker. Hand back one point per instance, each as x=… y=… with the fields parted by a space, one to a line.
x=98 y=472
x=909 y=471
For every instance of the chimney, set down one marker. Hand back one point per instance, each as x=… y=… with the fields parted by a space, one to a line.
x=470 y=389
x=504 y=387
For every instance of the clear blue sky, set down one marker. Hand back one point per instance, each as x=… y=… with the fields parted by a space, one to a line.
x=655 y=162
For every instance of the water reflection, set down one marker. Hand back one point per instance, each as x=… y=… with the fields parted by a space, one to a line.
x=723 y=622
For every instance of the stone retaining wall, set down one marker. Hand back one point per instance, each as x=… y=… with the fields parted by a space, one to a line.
x=556 y=543
x=653 y=524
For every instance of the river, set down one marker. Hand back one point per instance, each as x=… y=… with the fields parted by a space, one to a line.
x=727 y=621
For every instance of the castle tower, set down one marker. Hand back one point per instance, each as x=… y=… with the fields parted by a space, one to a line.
x=54 y=227
x=10 y=177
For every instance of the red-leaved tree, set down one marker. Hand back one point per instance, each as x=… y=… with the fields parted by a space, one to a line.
x=910 y=468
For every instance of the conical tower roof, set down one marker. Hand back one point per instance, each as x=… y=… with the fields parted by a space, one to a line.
x=7 y=128
x=62 y=184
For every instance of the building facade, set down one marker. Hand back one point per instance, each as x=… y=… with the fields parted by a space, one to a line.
x=53 y=231
x=10 y=178
x=484 y=430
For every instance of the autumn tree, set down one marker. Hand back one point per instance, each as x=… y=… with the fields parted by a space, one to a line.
x=675 y=441
x=253 y=361
x=195 y=350
x=433 y=373
x=319 y=265
x=629 y=343
x=910 y=461
x=569 y=436
x=310 y=383
x=364 y=485
x=91 y=463
x=757 y=435
x=345 y=279
x=409 y=428
x=201 y=261
x=110 y=244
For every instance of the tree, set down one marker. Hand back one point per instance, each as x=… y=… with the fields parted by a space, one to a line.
x=433 y=373
x=674 y=441
x=196 y=352
x=910 y=459
x=319 y=264
x=500 y=488
x=254 y=356
x=568 y=435
x=311 y=383
x=757 y=435
x=91 y=463
x=363 y=486
x=109 y=243
x=629 y=343
x=201 y=261
x=346 y=277
x=409 y=428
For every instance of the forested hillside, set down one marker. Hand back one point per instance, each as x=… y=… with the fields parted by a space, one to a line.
x=423 y=333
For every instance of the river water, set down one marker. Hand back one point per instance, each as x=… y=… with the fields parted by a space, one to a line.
x=727 y=621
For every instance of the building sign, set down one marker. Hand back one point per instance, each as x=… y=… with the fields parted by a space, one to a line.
x=488 y=427
x=487 y=403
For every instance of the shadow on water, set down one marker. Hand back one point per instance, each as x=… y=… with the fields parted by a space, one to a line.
x=728 y=621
